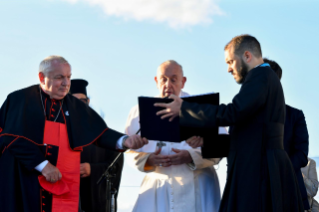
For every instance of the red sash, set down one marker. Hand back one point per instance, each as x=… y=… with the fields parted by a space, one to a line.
x=65 y=193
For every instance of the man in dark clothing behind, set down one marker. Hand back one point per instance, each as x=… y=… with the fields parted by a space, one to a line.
x=94 y=161
x=296 y=138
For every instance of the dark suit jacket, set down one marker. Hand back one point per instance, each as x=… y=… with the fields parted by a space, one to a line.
x=296 y=142
x=260 y=176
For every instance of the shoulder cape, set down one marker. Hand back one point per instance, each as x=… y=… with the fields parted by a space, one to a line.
x=22 y=115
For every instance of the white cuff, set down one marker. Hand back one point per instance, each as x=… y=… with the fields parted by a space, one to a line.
x=120 y=142
x=222 y=130
x=41 y=165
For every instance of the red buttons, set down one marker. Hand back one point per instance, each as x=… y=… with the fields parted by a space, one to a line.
x=53 y=110
x=49 y=153
x=50 y=147
x=43 y=197
x=0 y=129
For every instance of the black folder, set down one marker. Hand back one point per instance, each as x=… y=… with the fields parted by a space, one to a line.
x=155 y=128
x=152 y=126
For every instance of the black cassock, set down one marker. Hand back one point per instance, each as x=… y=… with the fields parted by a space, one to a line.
x=296 y=144
x=260 y=176
x=93 y=197
x=22 y=122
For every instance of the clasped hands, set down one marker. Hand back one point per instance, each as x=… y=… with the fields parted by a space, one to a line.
x=181 y=156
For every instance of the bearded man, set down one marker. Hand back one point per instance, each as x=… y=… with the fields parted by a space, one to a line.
x=260 y=175
x=42 y=132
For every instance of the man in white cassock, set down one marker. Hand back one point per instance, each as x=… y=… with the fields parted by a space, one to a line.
x=178 y=179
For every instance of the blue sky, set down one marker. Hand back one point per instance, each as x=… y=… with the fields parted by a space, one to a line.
x=118 y=46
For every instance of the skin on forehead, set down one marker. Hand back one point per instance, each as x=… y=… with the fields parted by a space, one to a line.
x=230 y=55
x=170 y=69
x=57 y=68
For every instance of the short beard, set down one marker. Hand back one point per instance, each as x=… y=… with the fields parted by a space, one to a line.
x=242 y=72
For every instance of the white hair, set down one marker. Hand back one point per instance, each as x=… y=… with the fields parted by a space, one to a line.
x=45 y=65
x=170 y=62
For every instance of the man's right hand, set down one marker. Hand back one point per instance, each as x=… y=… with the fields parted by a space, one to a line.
x=155 y=159
x=51 y=173
x=135 y=142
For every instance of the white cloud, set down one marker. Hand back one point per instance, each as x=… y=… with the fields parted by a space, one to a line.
x=176 y=13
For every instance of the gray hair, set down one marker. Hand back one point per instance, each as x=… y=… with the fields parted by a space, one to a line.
x=45 y=65
x=170 y=62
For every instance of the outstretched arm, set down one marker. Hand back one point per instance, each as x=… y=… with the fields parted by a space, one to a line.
x=250 y=98
x=114 y=140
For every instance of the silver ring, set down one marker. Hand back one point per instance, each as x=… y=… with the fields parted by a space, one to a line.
x=160 y=164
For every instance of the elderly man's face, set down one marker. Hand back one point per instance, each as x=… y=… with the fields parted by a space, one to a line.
x=57 y=82
x=170 y=80
x=236 y=65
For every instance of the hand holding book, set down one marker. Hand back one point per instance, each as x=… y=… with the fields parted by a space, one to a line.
x=171 y=110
